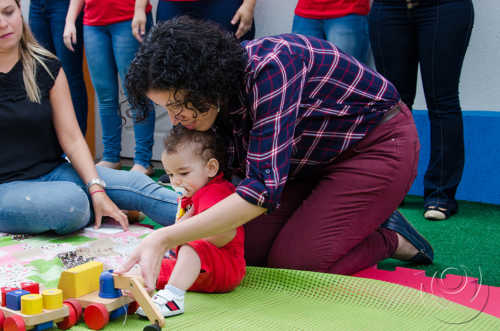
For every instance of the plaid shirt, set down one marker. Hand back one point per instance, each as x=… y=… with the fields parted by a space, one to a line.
x=304 y=104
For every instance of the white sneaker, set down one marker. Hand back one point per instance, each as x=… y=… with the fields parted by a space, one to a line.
x=168 y=304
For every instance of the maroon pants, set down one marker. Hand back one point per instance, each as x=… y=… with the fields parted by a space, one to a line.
x=330 y=222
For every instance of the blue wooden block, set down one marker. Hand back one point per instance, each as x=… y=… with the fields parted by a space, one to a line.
x=13 y=299
x=44 y=326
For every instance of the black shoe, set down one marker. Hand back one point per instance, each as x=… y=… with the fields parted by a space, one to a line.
x=164 y=180
x=398 y=223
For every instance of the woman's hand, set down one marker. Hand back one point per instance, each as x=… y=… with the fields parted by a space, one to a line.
x=103 y=206
x=69 y=35
x=139 y=25
x=244 y=15
x=148 y=255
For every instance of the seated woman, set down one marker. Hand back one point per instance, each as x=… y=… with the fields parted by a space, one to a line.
x=39 y=190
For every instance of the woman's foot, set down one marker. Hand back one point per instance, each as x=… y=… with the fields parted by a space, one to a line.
x=107 y=164
x=412 y=246
x=149 y=171
x=405 y=250
x=434 y=213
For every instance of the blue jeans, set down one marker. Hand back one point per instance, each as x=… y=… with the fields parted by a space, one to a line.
x=349 y=33
x=109 y=50
x=219 y=11
x=59 y=200
x=47 y=19
x=435 y=35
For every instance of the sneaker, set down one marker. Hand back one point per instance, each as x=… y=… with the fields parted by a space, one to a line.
x=168 y=304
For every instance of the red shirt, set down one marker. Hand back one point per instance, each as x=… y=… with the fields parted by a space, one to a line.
x=325 y=9
x=214 y=191
x=104 y=12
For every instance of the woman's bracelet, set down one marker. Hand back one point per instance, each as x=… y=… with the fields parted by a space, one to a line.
x=96 y=191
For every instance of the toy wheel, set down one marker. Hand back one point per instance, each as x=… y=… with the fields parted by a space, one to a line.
x=96 y=316
x=77 y=306
x=14 y=323
x=152 y=327
x=132 y=307
x=2 y=319
x=69 y=320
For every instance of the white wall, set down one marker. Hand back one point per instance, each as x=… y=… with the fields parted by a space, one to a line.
x=480 y=81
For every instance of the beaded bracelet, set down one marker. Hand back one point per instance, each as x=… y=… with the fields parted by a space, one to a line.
x=96 y=191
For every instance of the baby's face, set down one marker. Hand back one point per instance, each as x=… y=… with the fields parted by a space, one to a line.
x=186 y=170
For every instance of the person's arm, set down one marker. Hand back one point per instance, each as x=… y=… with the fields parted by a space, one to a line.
x=139 y=20
x=69 y=34
x=74 y=145
x=226 y=215
x=244 y=15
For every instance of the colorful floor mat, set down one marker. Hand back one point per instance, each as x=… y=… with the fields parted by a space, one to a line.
x=268 y=299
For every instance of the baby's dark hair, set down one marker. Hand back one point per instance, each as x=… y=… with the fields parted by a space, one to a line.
x=207 y=145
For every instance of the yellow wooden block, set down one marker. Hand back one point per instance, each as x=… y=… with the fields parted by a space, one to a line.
x=52 y=298
x=80 y=280
x=31 y=304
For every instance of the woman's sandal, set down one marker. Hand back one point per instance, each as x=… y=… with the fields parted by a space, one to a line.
x=434 y=213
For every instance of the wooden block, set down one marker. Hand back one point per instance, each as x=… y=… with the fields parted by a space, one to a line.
x=80 y=280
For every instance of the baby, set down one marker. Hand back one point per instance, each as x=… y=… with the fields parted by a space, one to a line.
x=193 y=161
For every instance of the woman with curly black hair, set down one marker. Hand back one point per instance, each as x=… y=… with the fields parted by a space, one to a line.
x=323 y=145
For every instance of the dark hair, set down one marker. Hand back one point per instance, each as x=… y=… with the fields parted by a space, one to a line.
x=192 y=55
x=206 y=144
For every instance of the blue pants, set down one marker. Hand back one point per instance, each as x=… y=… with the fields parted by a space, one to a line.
x=109 y=50
x=349 y=33
x=219 y=11
x=435 y=35
x=59 y=200
x=47 y=19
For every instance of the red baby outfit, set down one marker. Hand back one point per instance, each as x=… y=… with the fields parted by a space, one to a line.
x=222 y=268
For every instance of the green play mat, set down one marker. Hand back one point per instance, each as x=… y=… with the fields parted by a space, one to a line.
x=277 y=299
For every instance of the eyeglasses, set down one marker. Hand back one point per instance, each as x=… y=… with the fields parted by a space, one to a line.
x=178 y=109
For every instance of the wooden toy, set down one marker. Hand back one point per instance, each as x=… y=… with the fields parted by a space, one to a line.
x=24 y=310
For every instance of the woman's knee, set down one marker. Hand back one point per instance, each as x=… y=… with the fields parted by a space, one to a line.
x=38 y=207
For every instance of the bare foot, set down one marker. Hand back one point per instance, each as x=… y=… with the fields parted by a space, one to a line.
x=405 y=250
x=107 y=164
x=147 y=171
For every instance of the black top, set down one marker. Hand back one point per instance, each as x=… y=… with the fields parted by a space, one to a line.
x=29 y=145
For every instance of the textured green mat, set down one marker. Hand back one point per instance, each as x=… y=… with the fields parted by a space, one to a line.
x=274 y=299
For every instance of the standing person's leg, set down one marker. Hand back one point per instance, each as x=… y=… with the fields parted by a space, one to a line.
x=170 y=9
x=124 y=48
x=104 y=75
x=40 y=24
x=444 y=33
x=350 y=34
x=394 y=44
x=222 y=12
x=47 y=20
x=336 y=228
x=72 y=62
x=308 y=27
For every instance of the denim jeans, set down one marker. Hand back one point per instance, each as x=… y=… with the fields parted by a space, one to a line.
x=47 y=19
x=109 y=50
x=349 y=33
x=59 y=200
x=435 y=35
x=219 y=11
